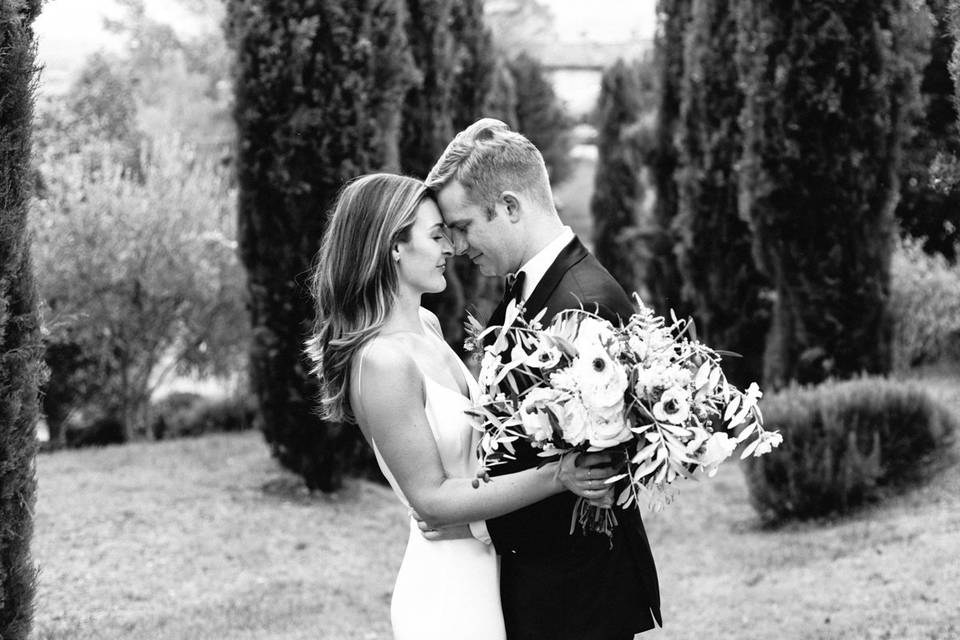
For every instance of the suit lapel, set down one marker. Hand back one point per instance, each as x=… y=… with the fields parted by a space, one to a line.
x=573 y=253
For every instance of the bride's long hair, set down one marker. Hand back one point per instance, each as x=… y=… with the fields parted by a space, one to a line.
x=354 y=281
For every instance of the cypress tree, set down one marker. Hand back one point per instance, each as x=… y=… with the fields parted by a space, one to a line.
x=954 y=17
x=427 y=126
x=663 y=274
x=828 y=88
x=501 y=102
x=428 y=108
x=618 y=190
x=451 y=48
x=319 y=93
x=20 y=344
x=474 y=62
x=722 y=284
x=926 y=209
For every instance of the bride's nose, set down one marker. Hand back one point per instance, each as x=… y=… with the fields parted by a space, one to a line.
x=447 y=247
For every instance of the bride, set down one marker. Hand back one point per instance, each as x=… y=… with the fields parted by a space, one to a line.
x=383 y=364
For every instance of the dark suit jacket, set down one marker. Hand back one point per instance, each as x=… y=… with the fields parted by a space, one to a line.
x=555 y=585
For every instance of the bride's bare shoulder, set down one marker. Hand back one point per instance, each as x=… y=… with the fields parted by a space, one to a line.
x=386 y=358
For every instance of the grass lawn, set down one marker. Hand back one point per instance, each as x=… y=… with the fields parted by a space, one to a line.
x=207 y=538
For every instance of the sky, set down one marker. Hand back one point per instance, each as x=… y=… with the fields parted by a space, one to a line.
x=69 y=30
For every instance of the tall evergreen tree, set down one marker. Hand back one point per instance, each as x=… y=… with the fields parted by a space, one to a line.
x=618 y=189
x=427 y=124
x=474 y=62
x=722 y=284
x=501 y=102
x=662 y=273
x=926 y=210
x=828 y=89
x=319 y=93
x=954 y=17
x=20 y=345
x=451 y=48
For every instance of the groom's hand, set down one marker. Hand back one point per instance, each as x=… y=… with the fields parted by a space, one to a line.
x=584 y=474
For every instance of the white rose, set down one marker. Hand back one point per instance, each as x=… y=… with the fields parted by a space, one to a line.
x=604 y=433
x=573 y=418
x=534 y=412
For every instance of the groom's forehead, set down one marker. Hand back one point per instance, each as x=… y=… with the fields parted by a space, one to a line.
x=455 y=203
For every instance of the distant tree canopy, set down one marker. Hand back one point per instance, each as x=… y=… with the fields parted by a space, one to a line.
x=540 y=115
x=21 y=349
x=828 y=92
x=319 y=98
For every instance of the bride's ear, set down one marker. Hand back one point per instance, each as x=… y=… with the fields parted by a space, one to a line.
x=395 y=252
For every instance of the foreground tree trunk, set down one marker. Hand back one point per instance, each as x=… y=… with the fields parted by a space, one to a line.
x=319 y=92
x=20 y=346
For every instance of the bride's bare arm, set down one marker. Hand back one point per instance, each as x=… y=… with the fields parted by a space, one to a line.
x=392 y=402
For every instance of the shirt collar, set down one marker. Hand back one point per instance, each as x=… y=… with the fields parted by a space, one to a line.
x=537 y=266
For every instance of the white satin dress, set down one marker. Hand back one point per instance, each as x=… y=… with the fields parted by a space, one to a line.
x=446 y=589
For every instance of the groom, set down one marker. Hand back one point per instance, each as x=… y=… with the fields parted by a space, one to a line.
x=492 y=187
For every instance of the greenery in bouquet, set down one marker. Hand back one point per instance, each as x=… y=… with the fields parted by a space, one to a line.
x=647 y=392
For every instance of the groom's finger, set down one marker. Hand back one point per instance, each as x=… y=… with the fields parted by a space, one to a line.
x=585 y=460
x=593 y=473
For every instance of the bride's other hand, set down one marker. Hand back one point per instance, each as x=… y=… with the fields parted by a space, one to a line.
x=455 y=532
x=584 y=474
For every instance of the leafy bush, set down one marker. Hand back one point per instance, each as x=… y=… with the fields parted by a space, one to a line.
x=138 y=271
x=841 y=443
x=925 y=305
x=189 y=414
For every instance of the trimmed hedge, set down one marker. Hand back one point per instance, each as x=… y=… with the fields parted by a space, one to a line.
x=188 y=414
x=842 y=442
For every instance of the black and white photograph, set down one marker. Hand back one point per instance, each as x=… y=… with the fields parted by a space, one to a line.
x=479 y=320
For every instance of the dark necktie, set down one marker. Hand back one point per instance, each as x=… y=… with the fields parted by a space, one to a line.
x=513 y=288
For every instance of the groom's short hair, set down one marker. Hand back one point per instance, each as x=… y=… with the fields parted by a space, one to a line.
x=487 y=158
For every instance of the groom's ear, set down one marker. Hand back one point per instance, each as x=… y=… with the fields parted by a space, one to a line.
x=511 y=202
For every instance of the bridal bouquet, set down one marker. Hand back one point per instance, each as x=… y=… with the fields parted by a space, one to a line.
x=647 y=392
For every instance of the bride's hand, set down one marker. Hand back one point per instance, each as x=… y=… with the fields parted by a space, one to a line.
x=455 y=532
x=584 y=474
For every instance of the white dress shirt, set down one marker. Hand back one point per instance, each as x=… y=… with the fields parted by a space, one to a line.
x=537 y=266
